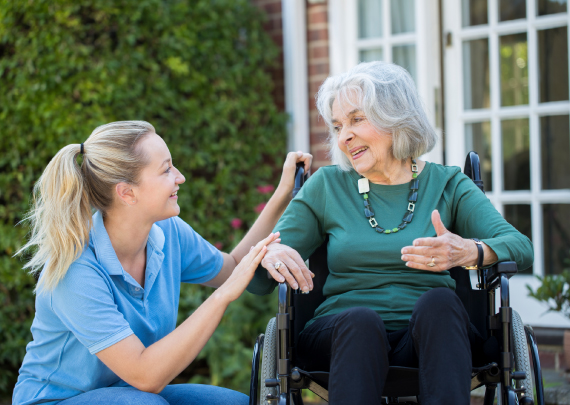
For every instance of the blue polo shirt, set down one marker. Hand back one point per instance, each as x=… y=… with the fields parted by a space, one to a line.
x=97 y=304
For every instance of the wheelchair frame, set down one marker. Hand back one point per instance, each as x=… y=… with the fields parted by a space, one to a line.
x=500 y=374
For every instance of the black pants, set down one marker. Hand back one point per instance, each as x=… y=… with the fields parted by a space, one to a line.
x=357 y=350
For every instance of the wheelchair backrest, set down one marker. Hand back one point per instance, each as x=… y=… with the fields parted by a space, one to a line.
x=475 y=301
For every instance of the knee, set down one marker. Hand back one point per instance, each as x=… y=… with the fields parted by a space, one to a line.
x=359 y=320
x=440 y=303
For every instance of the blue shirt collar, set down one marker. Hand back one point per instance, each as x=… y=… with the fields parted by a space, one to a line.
x=105 y=253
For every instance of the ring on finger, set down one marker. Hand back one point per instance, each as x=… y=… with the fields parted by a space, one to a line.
x=432 y=263
x=278 y=265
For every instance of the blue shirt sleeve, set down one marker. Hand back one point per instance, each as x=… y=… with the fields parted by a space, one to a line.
x=201 y=262
x=84 y=303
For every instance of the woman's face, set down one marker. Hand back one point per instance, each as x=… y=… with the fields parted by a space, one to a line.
x=159 y=181
x=368 y=149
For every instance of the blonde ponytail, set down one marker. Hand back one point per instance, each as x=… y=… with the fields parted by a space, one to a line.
x=64 y=195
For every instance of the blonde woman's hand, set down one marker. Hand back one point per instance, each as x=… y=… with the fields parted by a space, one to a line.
x=236 y=283
x=287 y=182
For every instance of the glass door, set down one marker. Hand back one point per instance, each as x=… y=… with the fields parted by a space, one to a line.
x=507 y=97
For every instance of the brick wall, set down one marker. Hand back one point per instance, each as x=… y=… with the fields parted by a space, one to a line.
x=274 y=27
x=318 y=71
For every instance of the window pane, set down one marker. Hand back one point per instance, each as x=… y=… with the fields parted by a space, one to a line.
x=518 y=215
x=473 y=12
x=371 y=55
x=403 y=16
x=516 y=156
x=556 y=237
x=514 y=69
x=369 y=18
x=551 y=6
x=553 y=60
x=405 y=56
x=555 y=150
x=476 y=74
x=478 y=139
x=512 y=9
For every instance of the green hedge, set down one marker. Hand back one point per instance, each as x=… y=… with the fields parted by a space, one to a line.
x=196 y=70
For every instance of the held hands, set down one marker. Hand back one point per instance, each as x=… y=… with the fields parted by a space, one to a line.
x=287 y=181
x=244 y=271
x=292 y=267
x=445 y=251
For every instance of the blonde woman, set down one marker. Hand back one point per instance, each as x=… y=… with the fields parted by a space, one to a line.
x=107 y=298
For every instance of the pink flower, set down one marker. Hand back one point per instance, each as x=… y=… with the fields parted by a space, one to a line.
x=236 y=223
x=219 y=245
x=265 y=189
x=260 y=207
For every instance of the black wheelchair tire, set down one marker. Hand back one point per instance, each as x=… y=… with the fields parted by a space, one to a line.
x=268 y=360
x=522 y=356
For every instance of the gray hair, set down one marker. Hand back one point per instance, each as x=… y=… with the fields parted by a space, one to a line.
x=387 y=95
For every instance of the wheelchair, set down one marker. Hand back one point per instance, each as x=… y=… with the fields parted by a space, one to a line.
x=514 y=374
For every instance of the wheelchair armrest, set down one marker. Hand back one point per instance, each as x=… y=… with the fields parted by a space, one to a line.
x=493 y=274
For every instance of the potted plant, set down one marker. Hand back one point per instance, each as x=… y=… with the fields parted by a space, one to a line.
x=555 y=292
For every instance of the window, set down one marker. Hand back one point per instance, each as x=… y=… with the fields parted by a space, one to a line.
x=509 y=59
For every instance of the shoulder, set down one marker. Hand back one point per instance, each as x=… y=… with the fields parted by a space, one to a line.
x=331 y=176
x=449 y=176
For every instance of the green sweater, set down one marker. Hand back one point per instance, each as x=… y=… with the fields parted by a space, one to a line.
x=365 y=267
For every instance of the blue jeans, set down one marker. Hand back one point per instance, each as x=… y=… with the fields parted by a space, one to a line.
x=177 y=394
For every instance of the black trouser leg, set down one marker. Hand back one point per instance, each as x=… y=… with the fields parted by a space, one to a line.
x=354 y=344
x=440 y=329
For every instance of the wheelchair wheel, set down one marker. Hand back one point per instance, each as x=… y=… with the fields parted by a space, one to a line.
x=268 y=362
x=522 y=357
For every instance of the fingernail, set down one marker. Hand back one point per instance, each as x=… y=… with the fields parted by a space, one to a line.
x=295 y=286
x=403 y=251
x=306 y=289
x=403 y=258
x=281 y=279
x=408 y=264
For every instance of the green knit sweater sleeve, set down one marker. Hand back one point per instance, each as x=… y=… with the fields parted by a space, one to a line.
x=301 y=227
x=475 y=217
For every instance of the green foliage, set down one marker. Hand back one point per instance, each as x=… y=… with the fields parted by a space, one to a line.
x=554 y=291
x=194 y=69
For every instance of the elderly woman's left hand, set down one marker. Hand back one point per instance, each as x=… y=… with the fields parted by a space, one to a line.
x=447 y=250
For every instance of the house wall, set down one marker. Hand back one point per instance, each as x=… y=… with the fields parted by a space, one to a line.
x=317 y=69
x=274 y=27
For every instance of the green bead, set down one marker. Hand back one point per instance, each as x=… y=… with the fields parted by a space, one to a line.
x=365 y=196
x=414 y=175
x=395 y=230
x=387 y=231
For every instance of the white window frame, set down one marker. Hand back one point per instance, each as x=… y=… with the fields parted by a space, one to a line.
x=456 y=118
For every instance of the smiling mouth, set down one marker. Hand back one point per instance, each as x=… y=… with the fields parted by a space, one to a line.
x=175 y=194
x=359 y=152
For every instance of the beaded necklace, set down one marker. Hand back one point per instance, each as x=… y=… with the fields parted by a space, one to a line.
x=364 y=188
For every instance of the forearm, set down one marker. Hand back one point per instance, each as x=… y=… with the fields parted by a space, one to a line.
x=162 y=361
x=264 y=223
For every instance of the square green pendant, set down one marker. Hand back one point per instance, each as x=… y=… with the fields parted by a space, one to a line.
x=387 y=231
x=395 y=230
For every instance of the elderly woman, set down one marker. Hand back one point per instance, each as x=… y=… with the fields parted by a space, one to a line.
x=395 y=225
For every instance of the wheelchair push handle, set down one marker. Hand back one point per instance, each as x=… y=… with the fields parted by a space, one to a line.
x=299 y=178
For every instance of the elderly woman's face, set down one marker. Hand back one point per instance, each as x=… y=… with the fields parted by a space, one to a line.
x=365 y=147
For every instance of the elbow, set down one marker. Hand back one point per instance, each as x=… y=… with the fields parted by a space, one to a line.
x=147 y=384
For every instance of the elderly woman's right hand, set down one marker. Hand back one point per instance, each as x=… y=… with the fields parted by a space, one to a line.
x=292 y=268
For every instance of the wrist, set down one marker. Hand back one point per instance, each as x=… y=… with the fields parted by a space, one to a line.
x=221 y=297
